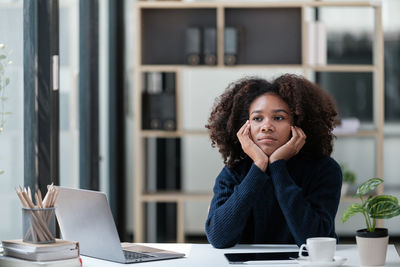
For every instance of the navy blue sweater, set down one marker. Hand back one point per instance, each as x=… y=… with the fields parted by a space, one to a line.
x=291 y=201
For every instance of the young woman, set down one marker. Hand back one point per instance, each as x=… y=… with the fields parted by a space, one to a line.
x=280 y=184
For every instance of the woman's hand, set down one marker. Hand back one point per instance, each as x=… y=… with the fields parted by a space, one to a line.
x=250 y=148
x=292 y=147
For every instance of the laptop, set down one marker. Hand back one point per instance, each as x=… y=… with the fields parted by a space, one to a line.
x=85 y=216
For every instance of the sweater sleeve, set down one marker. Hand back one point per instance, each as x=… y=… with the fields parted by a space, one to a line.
x=312 y=212
x=231 y=205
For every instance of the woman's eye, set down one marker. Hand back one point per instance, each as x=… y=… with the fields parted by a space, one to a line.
x=257 y=119
x=278 y=118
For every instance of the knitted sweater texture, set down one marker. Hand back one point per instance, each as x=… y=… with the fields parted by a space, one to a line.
x=290 y=202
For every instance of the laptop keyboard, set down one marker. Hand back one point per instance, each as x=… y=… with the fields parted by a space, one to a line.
x=135 y=256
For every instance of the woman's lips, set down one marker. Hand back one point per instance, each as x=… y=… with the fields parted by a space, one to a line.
x=266 y=140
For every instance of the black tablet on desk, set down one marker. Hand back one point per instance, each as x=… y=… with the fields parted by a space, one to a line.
x=272 y=257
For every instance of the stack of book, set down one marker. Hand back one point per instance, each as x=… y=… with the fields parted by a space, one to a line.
x=347 y=126
x=62 y=253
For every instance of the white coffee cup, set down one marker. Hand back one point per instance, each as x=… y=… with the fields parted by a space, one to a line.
x=320 y=249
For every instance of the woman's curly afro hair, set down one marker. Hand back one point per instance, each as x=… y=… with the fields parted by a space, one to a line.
x=312 y=108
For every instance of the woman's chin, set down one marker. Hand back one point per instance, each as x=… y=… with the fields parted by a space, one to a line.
x=268 y=151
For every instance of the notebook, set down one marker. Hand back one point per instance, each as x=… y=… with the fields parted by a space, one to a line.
x=85 y=216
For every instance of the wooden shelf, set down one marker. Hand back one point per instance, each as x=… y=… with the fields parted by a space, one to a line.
x=182 y=133
x=160 y=47
x=157 y=31
x=325 y=68
x=344 y=68
x=361 y=133
x=349 y=199
x=168 y=68
x=346 y=4
x=286 y=47
x=172 y=134
x=175 y=197
x=179 y=196
x=174 y=4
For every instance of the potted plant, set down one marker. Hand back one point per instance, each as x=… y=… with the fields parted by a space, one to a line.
x=372 y=241
x=349 y=178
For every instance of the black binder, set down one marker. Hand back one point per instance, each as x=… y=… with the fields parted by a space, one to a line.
x=230 y=46
x=193 y=45
x=210 y=46
x=159 y=106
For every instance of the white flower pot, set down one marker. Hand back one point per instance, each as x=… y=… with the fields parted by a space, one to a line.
x=372 y=247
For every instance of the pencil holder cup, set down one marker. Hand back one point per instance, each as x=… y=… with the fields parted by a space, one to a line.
x=39 y=225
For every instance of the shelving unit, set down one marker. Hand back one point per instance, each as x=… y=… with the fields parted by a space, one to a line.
x=160 y=28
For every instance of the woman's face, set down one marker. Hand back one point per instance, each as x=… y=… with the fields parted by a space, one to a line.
x=270 y=121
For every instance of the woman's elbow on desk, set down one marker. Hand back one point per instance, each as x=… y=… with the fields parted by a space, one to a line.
x=220 y=244
x=217 y=240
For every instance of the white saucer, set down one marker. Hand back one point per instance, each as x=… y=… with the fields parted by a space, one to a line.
x=337 y=261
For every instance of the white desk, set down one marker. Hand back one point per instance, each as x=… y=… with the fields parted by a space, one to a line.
x=204 y=255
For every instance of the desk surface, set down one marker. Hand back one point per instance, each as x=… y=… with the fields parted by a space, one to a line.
x=206 y=256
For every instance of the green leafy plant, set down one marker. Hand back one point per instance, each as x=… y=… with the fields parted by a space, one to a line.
x=348 y=175
x=373 y=207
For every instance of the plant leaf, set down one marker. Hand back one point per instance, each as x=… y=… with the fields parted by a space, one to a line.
x=386 y=198
x=368 y=186
x=350 y=211
x=383 y=207
x=7 y=81
x=3 y=57
x=365 y=203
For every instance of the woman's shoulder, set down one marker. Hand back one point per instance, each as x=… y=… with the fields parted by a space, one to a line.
x=327 y=168
x=317 y=162
x=328 y=162
x=236 y=172
x=320 y=168
x=317 y=173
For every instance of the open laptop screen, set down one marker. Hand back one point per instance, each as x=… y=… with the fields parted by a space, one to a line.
x=85 y=216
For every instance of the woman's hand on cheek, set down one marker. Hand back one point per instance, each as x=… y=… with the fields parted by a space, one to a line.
x=292 y=147
x=250 y=148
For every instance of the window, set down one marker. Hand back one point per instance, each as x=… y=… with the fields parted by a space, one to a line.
x=12 y=136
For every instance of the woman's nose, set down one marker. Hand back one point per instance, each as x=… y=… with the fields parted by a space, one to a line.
x=267 y=126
